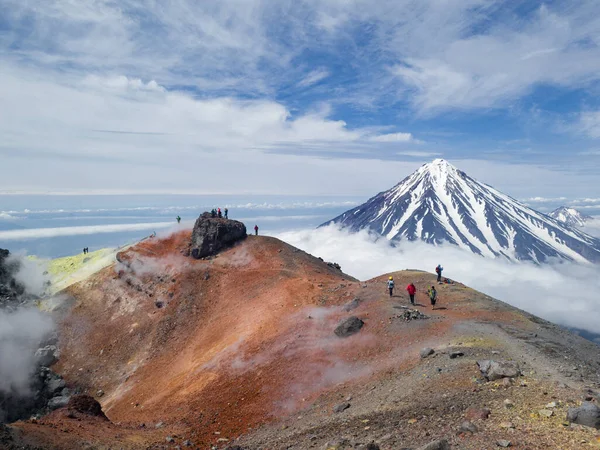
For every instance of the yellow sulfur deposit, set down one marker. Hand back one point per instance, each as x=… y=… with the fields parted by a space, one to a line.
x=72 y=269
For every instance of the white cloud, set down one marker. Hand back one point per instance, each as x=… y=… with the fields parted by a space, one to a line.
x=589 y=124
x=506 y=61
x=569 y=291
x=592 y=226
x=127 y=96
x=418 y=154
x=393 y=137
x=38 y=233
x=314 y=77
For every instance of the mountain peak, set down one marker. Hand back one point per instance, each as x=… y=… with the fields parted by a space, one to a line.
x=441 y=204
x=569 y=216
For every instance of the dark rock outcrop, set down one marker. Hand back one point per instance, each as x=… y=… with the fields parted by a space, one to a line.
x=341 y=407
x=212 y=234
x=10 y=290
x=587 y=414
x=349 y=326
x=86 y=404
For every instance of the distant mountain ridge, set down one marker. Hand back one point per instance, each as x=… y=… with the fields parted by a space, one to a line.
x=569 y=216
x=440 y=204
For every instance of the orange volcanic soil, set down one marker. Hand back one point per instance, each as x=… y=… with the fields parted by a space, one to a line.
x=228 y=349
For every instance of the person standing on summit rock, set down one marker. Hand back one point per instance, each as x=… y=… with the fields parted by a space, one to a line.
x=226 y=211
x=411 y=292
x=256 y=230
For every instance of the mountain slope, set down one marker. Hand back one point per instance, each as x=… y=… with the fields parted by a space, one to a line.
x=242 y=352
x=569 y=216
x=439 y=203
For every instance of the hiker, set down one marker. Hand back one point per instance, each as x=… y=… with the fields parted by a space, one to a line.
x=213 y=213
x=438 y=270
x=432 y=296
x=178 y=219
x=411 y=292
x=219 y=215
x=84 y=250
x=390 y=285
x=226 y=213
x=256 y=230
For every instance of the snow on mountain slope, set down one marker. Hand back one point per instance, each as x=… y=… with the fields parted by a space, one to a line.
x=439 y=203
x=569 y=216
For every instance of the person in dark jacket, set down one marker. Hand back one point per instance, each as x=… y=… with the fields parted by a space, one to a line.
x=438 y=270
x=256 y=230
x=432 y=296
x=411 y=289
x=226 y=211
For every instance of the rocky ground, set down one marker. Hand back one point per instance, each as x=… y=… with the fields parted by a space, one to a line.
x=241 y=351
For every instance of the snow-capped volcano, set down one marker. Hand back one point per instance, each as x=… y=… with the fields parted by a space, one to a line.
x=440 y=204
x=569 y=216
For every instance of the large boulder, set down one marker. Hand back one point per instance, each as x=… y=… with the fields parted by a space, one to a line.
x=86 y=405
x=349 y=326
x=496 y=370
x=212 y=234
x=587 y=414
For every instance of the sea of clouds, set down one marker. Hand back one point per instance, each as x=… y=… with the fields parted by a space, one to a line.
x=562 y=292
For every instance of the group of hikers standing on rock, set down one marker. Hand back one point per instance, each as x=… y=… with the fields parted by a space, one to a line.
x=216 y=212
x=412 y=289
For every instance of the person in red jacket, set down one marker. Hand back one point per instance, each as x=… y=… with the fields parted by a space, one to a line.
x=411 y=292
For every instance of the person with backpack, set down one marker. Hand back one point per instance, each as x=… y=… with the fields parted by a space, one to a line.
x=432 y=296
x=256 y=230
x=390 y=285
x=226 y=213
x=178 y=219
x=438 y=270
x=411 y=292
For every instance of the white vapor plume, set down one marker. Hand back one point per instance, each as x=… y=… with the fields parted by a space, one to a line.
x=21 y=332
x=30 y=274
x=564 y=293
x=37 y=233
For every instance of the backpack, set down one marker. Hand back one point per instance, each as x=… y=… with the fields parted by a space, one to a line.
x=437 y=269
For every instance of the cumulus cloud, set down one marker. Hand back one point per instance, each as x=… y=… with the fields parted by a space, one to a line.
x=563 y=293
x=104 y=88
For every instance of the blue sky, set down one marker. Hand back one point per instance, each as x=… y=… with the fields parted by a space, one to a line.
x=324 y=97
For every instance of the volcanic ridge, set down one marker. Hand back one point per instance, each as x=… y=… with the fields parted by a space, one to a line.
x=241 y=349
